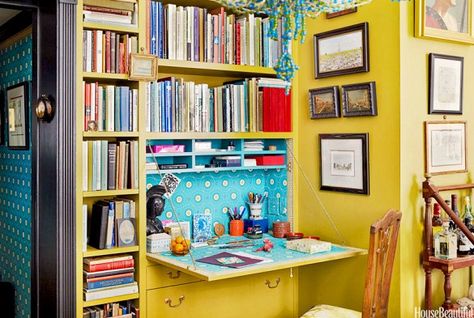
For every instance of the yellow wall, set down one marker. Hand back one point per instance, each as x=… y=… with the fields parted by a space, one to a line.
x=414 y=111
x=341 y=283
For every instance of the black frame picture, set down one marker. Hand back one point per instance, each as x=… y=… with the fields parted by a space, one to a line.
x=359 y=100
x=344 y=162
x=340 y=13
x=334 y=49
x=446 y=84
x=324 y=102
x=17 y=106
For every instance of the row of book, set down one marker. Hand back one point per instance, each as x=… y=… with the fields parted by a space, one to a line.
x=110 y=108
x=249 y=105
x=120 y=12
x=202 y=35
x=107 y=51
x=106 y=219
x=109 y=166
x=125 y=309
x=109 y=276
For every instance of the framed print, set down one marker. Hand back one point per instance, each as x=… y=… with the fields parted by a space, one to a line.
x=359 y=100
x=445 y=20
x=324 y=102
x=340 y=13
x=3 y=120
x=446 y=84
x=445 y=147
x=17 y=105
x=342 y=51
x=143 y=67
x=344 y=162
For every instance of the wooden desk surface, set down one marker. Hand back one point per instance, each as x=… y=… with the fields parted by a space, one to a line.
x=282 y=258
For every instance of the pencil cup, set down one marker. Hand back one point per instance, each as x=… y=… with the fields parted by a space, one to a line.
x=236 y=228
x=255 y=210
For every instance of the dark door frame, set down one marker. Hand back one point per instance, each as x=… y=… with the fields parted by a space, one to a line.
x=53 y=292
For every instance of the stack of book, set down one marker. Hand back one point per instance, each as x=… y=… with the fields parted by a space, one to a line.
x=202 y=35
x=109 y=276
x=124 y=309
x=107 y=51
x=110 y=108
x=254 y=104
x=106 y=217
x=109 y=166
x=120 y=12
x=253 y=145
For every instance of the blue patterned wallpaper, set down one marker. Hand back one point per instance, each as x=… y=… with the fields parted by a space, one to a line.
x=211 y=192
x=15 y=187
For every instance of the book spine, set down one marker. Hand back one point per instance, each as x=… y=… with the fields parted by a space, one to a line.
x=122 y=290
x=109 y=283
x=106 y=10
x=103 y=164
x=109 y=266
x=111 y=167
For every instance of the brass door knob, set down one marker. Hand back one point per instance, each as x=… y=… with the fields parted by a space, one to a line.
x=45 y=108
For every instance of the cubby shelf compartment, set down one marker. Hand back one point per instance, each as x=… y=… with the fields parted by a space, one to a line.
x=115 y=299
x=92 y=252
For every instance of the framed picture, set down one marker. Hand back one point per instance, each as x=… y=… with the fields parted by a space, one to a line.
x=446 y=84
x=344 y=162
x=17 y=105
x=359 y=100
x=446 y=20
x=3 y=120
x=324 y=102
x=340 y=13
x=445 y=147
x=342 y=51
x=143 y=67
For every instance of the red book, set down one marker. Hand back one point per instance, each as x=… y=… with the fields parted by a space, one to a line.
x=107 y=51
x=109 y=266
x=126 y=44
x=98 y=279
x=237 y=44
x=94 y=51
x=276 y=110
x=121 y=66
x=96 y=102
x=87 y=105
x=107 y=10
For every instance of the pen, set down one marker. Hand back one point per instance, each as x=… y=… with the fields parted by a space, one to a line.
x=229 y=211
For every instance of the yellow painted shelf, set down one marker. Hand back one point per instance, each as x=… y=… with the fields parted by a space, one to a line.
x=115 y=299
x=110 y=27
x=92 y=252
x=110 y=134
x=220 y=135
x=109 y=76
x=212 y=69
x=107 y=193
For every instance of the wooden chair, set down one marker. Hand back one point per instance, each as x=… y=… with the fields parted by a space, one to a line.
x=382 y=248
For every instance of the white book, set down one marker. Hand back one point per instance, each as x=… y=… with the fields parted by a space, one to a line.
x=85 y=169
x=133 y=212
x=99 y=51
x=100 y=108
x=110 y=108
x=205 y=108
x=89 y=51
x=171 y=18
x=251 y=40
x=84 y=227
x=190 y=39
x=100 y=293
x=110 y=229
x=192 y=101
x=209 y=40
x=103 y=164
x=98 y=164
x=148 y=109
x=135 y=155
x=134 y=110
x=93 y=104
x=235 y=108
x=157 y=107
x=242 y=107
x=180 y=33
x=90 y=16
x=227 y=108
x=197 y=108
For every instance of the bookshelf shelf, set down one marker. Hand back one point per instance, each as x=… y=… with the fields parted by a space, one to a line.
x=109 y=193
x=110 y=134
x=111 y=27
x=111 y=300
x=220 y=135
x=151 y=172
x=105 y=76
x=212 y=69
x=92 y=252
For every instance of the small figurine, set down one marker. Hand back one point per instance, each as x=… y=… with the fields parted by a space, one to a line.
x=155 y=204
x=267 y=246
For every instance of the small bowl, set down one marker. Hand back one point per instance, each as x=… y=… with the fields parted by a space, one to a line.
x=180 y=253
x=293 y=236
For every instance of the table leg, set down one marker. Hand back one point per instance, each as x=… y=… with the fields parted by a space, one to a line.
x=428 y=304
x=447 y=290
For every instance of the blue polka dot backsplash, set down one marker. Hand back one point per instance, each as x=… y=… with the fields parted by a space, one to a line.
x=15 y=187
x=210 y=192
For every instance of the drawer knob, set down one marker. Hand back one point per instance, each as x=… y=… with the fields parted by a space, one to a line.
x=171 y=276
x=269 y=284
x=169 y=302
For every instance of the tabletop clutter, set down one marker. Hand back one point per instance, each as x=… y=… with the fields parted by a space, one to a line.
x=246 y=228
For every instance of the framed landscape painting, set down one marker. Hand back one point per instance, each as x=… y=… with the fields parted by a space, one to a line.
x=359 y=100
x=324 y=102
x=342 y=51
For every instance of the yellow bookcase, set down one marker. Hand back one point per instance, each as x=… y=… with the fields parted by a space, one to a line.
x=155 y=281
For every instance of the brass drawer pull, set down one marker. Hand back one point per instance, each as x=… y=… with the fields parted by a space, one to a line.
x=169 y=301
x=268 y=283
x=170 y=275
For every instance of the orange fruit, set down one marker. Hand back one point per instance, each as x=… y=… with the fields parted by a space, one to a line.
x=179 y=248
x=179 y=239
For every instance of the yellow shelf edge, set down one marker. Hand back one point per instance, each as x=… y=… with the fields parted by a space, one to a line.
x=93 y=194
x=112 y=76
x=110 y=27
x=109 y=134
x=220 y=135
x=114 y=299
x=92 y=252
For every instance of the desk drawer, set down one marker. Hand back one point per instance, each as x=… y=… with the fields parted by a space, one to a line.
x=227 y=298
x=161 y=276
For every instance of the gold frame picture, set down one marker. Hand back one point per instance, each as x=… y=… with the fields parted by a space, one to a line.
x=143 y=67
x=432 y=20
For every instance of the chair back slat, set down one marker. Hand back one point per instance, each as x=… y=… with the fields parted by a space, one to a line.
x=382 y=249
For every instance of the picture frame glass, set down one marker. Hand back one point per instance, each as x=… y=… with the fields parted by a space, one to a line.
x=446 y=84
x=17 y=106
x=454 y=19
x=445 y=147
x=324 y=102
x=359 y=100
